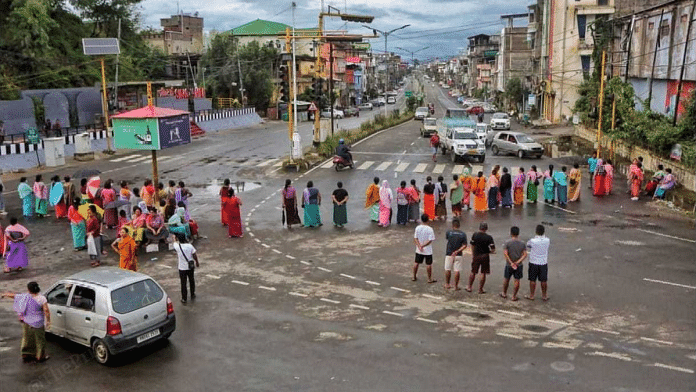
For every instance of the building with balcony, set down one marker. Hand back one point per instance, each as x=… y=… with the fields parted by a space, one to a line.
x=182 y=40
x=482 y=50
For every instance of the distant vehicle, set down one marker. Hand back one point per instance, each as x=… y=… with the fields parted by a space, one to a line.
x=489 y=107
x=421 y=113
x=517 y=143
x=337 y=113
x=350 y=111
x=391 y=100
x=458 y=136
x=111 y=310
x=475 y=110
x=461 y=99
x=446 y=86
x=482 y=130
x=429 y=126
x=381 y=101
x=391 y=94
x=365 y=106
x=376 y=103
x=431 y=108
x=500 y=121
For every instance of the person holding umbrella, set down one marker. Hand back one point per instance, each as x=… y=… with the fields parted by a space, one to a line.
x=57 y=199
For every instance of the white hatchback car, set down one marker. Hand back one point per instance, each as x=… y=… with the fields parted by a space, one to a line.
x=500 y=121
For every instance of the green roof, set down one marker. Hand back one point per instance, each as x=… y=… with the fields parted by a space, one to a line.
x=263 y=27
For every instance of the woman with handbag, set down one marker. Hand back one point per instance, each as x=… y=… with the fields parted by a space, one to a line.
x=188 y=261
x=94 y=238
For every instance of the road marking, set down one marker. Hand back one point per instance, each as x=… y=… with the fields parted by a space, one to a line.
x=401 y=167
x=165 y=266
x=240 y=282
x=278 y=164
x=508 y=335
x=250 y=234
x=510 y=313
x=668 y=236
x=267 y=288
x=266 y=163
x=475 y=169
x=290 y=257
x=324 y=269
x=669 y=283
x=347 y=276
x=468 y=304
x=427 y=320
x=392 y=313
x=257 y=240
x=383 y=166
x=605 y=331
x=373 y=283
x=305 y=262
x=620 y=356
x=124 y=158
x=656 y=341
x=558 y=208
x=277 y=251
x=432 y=296
x=399 y=289
x=327 y=165
x=420 y=168
x=439 y=168
x=212 y=276
x=365 y=165
x=557 y=322
x=679 y=369
x=297 y=294
x=331 y=301
x=359 y=307
x=139 y=160
x=457 y=169
x=559 y=345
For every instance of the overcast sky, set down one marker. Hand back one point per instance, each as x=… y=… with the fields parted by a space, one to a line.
x=441 y=25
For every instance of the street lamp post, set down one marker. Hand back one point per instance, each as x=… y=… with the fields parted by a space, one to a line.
x=386 y=37
x=413 y=52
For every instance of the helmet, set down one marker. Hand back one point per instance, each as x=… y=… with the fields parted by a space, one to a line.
x=341 y=141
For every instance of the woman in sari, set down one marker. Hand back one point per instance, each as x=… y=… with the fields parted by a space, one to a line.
x=181 y=195
x=574 y=183
x=549 y=186
x=84 y=196
x=77 y=225
x=560 y=180
x=467 y=183
x=108 y=196
x=402 y=204
x=340 y=212
x=223 y=195
x=170 y=209
x=127 y=250
x=95 y=246
x=148 y=193
x=156 y=231
x=599 y=178
x=125 y=194
x=457 y=193
x=33 y=312
x=609 y=176
x=385 y=200
x=178 y=225
x=518 y=187
x=289 y=195
x=636 y=176
x=233 y=215
x=533 y=178
x=668 y=182
x=414 y=197
x=16 y=255
x=137 y=224
x=311 y=200
x=372 y=200
x=441 y=198
x=506 y=189
x=651 y=186
x=493 y=189
x=429 y=198
x=61 y=208
x=479 y=190
x=41 y=195
x=26 y=195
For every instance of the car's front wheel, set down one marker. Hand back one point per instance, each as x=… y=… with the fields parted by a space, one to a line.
x=495 y=150
x=101 y=351
x=520 y=154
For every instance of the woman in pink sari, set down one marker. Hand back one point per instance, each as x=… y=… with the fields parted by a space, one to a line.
x=609 y=176
x=636 y=177
x=385 y=200
x=108 y=196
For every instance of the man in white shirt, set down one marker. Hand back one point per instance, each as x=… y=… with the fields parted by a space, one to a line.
x=187 y=255
x=538 y=251
x=423 y=238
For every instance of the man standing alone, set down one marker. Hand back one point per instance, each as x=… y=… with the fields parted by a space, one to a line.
x=515 y=252
x=538 y=249
x=482 y=246
x=423 y=238
x=187 y=257
x=456 y=243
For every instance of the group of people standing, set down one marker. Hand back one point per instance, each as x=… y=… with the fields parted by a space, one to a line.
x=601 y=174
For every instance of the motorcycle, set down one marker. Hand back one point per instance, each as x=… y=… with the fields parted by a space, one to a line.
x=340 y=163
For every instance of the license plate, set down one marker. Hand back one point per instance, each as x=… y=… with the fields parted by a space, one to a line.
x=473 y=152
x=148 y=336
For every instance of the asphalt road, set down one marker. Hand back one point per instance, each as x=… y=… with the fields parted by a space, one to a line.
x=334 y=309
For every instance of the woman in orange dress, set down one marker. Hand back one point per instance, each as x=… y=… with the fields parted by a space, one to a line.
x=127 y=250
x=467 y=184
x=479 y=191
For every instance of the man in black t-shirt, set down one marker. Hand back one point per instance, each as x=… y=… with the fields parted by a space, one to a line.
x=456 y=243
x=482 y=246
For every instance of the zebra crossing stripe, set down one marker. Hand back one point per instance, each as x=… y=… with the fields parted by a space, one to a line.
x=266 y=163
x=439 y=168
x=278 y=164
x=139 y=159
x=401 y=167
x=475 y=169
x=327 y=165
x=383 y=166
x=420 y=168
x=458 y=169
x=125 y=158
x=366 y=165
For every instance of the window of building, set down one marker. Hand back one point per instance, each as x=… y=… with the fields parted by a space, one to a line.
x=602 y=2
x=582 y=26
x=585 y=60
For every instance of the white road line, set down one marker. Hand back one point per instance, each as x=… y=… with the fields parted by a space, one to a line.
x=250 y=234
x=557 y=322
x=266 y=246
x=439 y=168
x=558 y=345
x=475 y=169
x=139 y=159
x=373 y=283
x=266 y=163
x=240 y=282
x=605 y=331
x=327 y=165
x=669 y=283
x=276 y=251
x=290 y=257
x=298 y=294
x=401 y=167
x=257 y=240
x=620 y=356
x=278 y=164
x=510 y=313
x=392 y=313
x=324 y=269
x=432 y=296
x=164 y=266
x=427 y=320
x=420 y=168
x=212 y=276
x=305 y=262
x=651 y=340
x=558 y=208
x=668 y=236
x=124 y=158
x=457 y=169
x=365 y=165
x=347 y=276
x=331 y=301
x=679 y=369
x=400 y=289
x=359 y=307
x=267 y=288
x=468 y=304
x=508 y=335
x=383 y=166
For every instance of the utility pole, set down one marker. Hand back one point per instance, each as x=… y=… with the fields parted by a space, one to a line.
x=241 y=83
x=331 y=91
x=601 y=105
x=118 y=37
x=387 y=56
x=294 y=76
x=683 y=67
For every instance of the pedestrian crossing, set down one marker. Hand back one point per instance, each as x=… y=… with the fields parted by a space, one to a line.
x=417 y=168
x=138 y=158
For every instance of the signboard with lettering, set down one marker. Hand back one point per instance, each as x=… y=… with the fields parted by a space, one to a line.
x=174 y=131
x=32 y=136
x=136 y=133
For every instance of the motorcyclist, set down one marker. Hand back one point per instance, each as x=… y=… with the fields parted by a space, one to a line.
x=343 y=151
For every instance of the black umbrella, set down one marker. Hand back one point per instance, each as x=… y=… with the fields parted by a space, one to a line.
x=86 y=173
x=117 y=203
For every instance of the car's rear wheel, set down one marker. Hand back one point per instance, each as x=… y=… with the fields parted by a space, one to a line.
x=520 y=154
x=495 y=150
x=101 y=351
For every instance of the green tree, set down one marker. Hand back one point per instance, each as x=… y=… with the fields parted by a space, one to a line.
x=514 y=93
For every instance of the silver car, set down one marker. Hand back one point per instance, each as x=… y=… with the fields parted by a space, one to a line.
x=421 y=113
x=110 y=310
x=517 y=143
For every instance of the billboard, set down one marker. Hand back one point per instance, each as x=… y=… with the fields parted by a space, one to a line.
x=136 y=133
x=174 y=131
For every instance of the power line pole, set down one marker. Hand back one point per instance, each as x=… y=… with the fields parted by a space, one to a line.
x=294 y=74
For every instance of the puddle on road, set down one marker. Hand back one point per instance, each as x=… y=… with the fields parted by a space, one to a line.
x=214 y=187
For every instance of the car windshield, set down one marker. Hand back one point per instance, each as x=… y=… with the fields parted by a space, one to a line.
x=459 y=135
x=500 y=116
x=421 y=110
x=135 y=296
x=524 y=139
x=430 y=121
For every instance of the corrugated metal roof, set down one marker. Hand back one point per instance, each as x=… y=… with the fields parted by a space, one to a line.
x=260 y=27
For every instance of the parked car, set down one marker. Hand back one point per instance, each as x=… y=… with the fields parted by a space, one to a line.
x=337 y=113
x=421 y=113
x=350 y=111
x=365 y=106
x=111 y=310
x=382 y=101
x=475 y=110
x=391 y=100
x=489 y=107
x=429 y=126
x=376 y=103
x=500 y=121
x=517 y=143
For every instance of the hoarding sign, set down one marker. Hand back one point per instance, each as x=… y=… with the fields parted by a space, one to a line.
x=174 y=131
x=136 y=133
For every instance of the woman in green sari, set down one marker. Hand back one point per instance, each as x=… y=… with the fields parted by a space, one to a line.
x=549 y=186
x=533 y=177
x=26 y=195
x=311 y=200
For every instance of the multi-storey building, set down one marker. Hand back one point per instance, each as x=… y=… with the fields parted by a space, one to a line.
x=182 y=40
x=481 y=52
